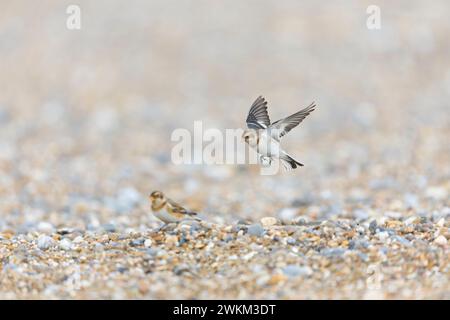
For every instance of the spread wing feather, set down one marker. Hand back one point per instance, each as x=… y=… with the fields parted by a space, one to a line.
x=281 y=127
x=258 y=118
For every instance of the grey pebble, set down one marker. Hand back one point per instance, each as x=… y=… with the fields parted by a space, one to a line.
x=44 y=242
x=373 y=226
x=255 y=230
x=137 y=242
x=402 y=240
x=333 y=252
x=295 y=271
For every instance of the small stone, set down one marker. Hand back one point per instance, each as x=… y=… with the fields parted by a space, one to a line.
x=294 y=271
x=268 y=221
x=147 y=243
x=383 y=235
x=333 y=252
x=137 y=242
x=441 y=222
x=182 y=268
x=411 y=220
x=402 y=240
x=44 y=242
x=249 y=255
x=373 y=226
x=78 y=239
x=65 y=244
x=441 y=240
x=255 y=230
x=171 y=240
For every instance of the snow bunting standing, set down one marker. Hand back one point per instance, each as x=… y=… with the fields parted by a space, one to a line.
x=168 y=210
x=265 y=137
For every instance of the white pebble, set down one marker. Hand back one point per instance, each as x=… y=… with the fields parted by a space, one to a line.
x=268 y=221
x=148 y=243
x=44 y=242
x=383 y=235
x=78 y=239
x=441 y=222
x=411 y=220
x=441 y=240
x=65 y=244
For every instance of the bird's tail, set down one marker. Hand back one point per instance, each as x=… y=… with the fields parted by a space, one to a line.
x=288 y=162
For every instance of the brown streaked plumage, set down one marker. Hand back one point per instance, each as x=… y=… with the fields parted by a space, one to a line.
x=168 y=210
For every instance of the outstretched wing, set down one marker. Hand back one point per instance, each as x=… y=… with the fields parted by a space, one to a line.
x=258 y=118
x=179 y=210
x=279 y=128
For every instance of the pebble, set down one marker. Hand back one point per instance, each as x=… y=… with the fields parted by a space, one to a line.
x=383 y=235
x=441 y=240
x=268 y=221
x=402 y=240
x=295 y=271
x=147 y=243
x=411 y=220
x=65 y=244
x=255 y=230
x=441 y=222
x=373 y=226
x=137 y=242
x=44 y=242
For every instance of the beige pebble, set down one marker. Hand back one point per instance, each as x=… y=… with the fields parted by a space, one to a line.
x=441 y=240
x=268 y=221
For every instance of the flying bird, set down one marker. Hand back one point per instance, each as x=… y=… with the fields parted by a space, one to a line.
x=265 y=137
x=168 y=210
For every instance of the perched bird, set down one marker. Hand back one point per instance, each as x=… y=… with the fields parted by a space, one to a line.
x=265 y=137
x=168 y=210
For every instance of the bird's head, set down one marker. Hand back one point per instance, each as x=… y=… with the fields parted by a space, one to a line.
x=157 y=198
x=250 y=136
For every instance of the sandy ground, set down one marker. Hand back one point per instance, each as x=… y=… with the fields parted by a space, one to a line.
x=86 y=118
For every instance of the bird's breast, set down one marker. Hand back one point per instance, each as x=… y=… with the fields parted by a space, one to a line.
x=268 y=146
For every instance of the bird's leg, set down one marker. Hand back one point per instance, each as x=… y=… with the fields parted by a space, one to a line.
x=167 y=226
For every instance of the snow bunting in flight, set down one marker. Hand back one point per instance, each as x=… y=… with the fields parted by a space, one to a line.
x=168 y=210
x=265 y=137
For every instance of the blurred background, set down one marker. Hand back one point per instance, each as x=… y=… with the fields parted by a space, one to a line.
x=86 y=115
